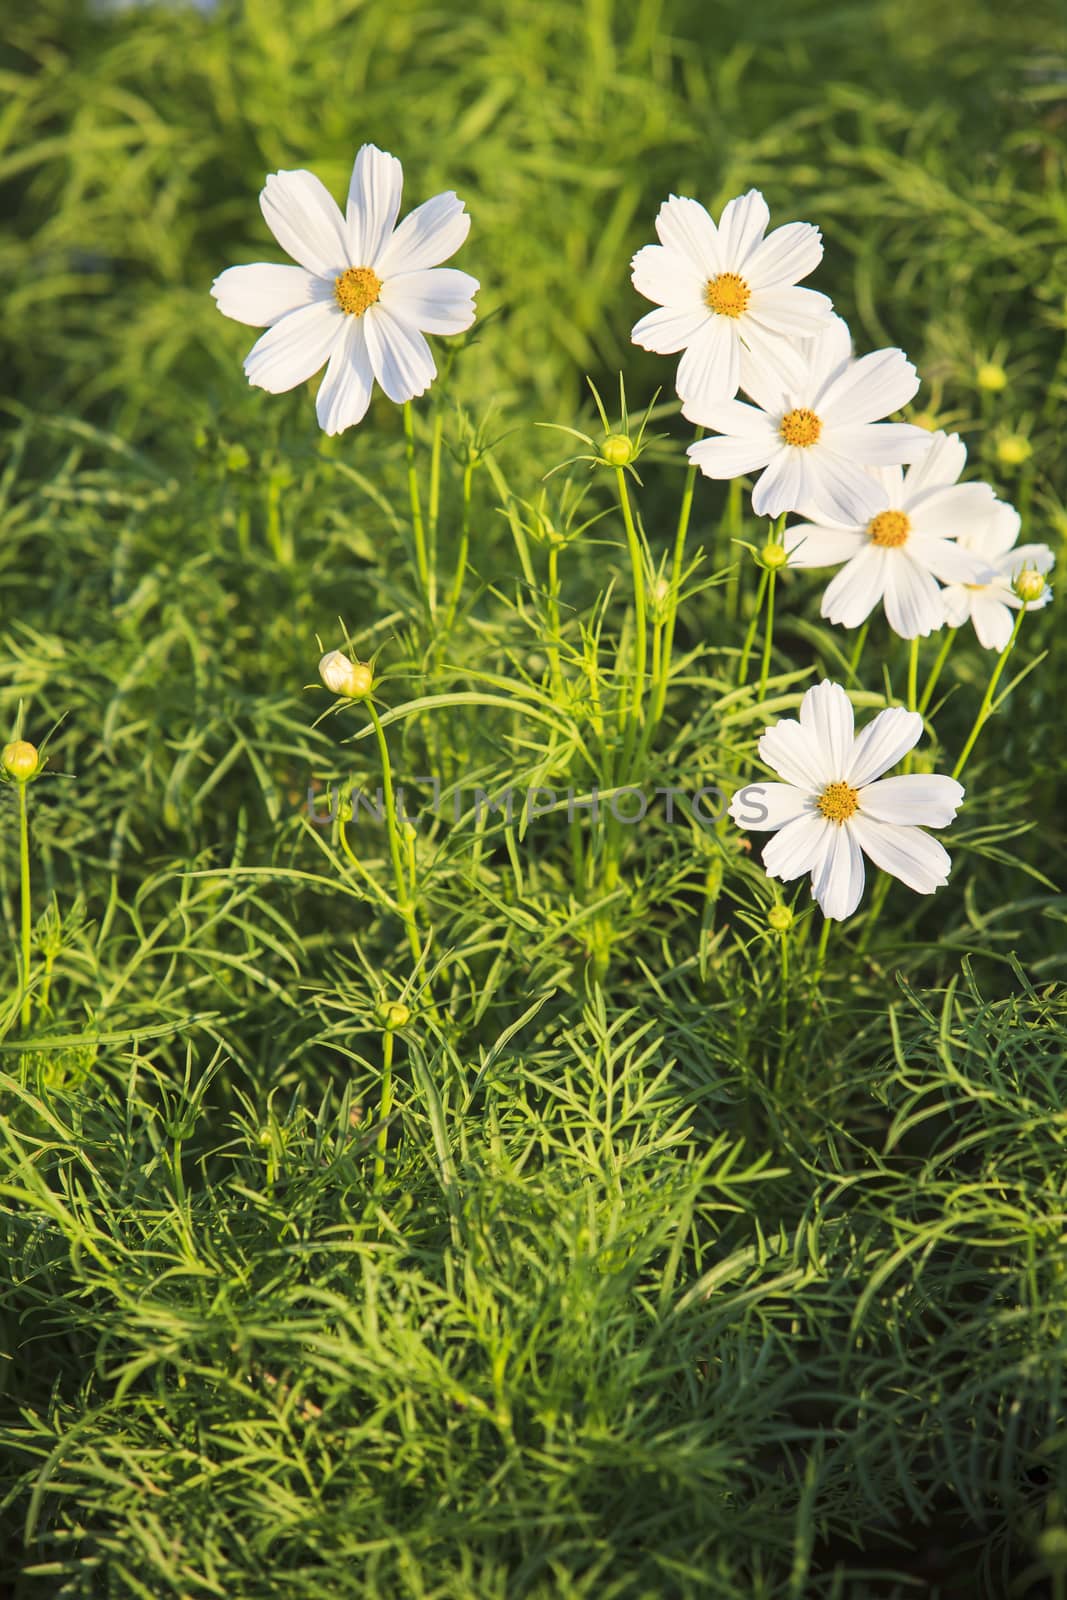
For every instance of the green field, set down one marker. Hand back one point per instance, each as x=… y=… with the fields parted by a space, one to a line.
x=503 y=1208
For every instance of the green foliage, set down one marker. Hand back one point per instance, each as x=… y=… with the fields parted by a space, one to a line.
x=674 y=1267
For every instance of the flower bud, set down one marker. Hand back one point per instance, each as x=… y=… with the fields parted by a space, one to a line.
x=773 y=556
x=780 y=918
x=617 y=450
x=19 y=760
x=1013 y=449
x=1029 y=585
x=991 y=376
x=352 y=679
x=392 y=1014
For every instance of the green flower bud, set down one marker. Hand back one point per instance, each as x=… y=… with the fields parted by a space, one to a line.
x=352 y=679
x=991 y=376
x=617 y=450
x=1029 y=585
x=780 y=918
x=1013 y=449
x=20 y=760
x=393 y=1014
x=773 y=556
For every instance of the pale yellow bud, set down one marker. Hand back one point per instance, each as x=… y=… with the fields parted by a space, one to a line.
x=352 y=679
x=19 y=760
x=617 y=450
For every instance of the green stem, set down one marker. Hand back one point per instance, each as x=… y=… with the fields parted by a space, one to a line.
x=403 y=890
x=417 y=526
x=820 y=953
x=385 y=1105
x=768 y=634
x=464 y=546
x=24 y=879
x=984 y=710
x=637 y=565
x=881 y=889
x=935 y=670
x=732 y=523
x=857 y=652
x=750 y=636
x=662 y=679
x=434 y=505
x=553 y=621
x=913 y=690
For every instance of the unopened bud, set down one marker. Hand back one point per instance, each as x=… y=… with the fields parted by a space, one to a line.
x=393 y=1014
x=1013 y=449
x=353 y=679
x=1029 y=585
x=617 y=450
x=773 y=556
x=19 y=760
x=991 y=376
x=780 y=918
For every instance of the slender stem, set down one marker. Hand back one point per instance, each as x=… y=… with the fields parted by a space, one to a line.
x=820 y=953
x=732 y=523
x=768 y=634
x=637 y=565
x=368 y=878
x=385 y=1105
x=553 y=620
x=662 y=679
x=783 y=999
x=881 y=889
x=434 y=505
x=984 y=711
x=464 y=546
x=935 y=670
x=913 y=690
x=417 y=526
x=750 y=636
x=24 y=878
x=857 y=652
x=403 y=889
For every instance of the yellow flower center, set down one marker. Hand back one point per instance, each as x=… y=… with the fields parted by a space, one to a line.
x=889 y=529
x=838 y=802
x=800 y=427
x=727 y=294
x=356 y=289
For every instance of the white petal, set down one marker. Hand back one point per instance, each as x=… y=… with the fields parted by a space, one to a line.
x=907 y=853
x=344 y=393
x=685 y=226
x=957 y=603
x=304 y=218
x=945 y=513
x=947 y=560
x=669 y=329
x=785 y=485
x=879 y=444
x=258 y=295
x=771 y=367
x=913 y=604
x=785 y=256
x=798 y=848
x=373 y=204
x=913 y=799
x=853 y=594
x=841 y=491
x=295 y=348
x=994 y=534
x=437 y=300
x=885 y=740
x=399 y=356
x=741 y=228
x=818 y=545
x=826 y=714
x=710 y=369
x=426 y=237
x=837 y=883
x=1033 y=557
x=669 y=277
x=940 y=465
x=797 y=756
x=763 y=807
x=731 y=456
x=869 y=389
x=993 y=621
x=790 y=312
x=828 y=355
x=736 y=418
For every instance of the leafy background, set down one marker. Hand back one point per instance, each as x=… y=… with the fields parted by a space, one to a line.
x=665 y=1294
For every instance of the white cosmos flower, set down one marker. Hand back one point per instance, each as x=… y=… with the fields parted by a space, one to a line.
x=815 y=437
x=832 y=810
x=990 y=605
x=914 y=537
x=726 y=295
x=364 y=293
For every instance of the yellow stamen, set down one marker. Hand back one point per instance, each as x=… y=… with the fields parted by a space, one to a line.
x=356 y=289
x=727 y=294
x=800 y=427
x=838 y=802
x=889 y=529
